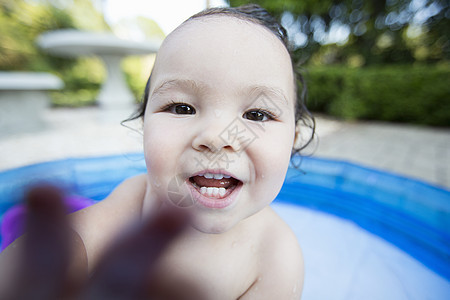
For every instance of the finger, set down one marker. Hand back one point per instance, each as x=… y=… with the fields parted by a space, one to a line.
x=124 y=271
x=46 y=245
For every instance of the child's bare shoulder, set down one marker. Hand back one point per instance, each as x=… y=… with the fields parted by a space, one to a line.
x=281 y=276
x=274 y=231
x=101 y=222
x=280 y=241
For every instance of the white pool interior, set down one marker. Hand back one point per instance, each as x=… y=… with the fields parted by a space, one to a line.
x=344 y=261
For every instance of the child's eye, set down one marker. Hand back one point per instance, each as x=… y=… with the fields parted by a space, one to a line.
x=258 y=115
x=179 y=109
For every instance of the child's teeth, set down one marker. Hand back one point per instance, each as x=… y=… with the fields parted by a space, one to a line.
x=213 y=191
x=203 y=190
x=215 y=176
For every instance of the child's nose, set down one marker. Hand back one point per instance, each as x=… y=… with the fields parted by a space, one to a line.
x=216 y=134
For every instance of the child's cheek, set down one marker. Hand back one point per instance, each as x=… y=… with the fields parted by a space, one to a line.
x=271 y=155
x=160 y=151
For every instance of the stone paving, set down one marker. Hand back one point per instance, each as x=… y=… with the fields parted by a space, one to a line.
x=417 y=152
x=69 y=133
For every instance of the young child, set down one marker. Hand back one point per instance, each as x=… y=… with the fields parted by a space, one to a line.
x=220 y=113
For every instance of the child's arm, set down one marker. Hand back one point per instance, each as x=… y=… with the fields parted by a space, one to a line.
x=99 y=224
x=281 y=274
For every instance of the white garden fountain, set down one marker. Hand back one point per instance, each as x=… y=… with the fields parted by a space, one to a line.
x=114 y=93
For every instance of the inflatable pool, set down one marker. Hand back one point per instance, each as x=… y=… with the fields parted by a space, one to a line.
x=365 y=234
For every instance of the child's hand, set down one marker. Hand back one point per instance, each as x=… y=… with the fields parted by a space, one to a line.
x=49 y=270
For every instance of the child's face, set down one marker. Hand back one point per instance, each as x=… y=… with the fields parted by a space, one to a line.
x=221 y=102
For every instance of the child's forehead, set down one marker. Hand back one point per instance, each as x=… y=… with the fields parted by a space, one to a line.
x=221 y=26
x=224 y=44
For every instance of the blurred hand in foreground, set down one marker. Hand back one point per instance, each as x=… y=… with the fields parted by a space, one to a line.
x=53 y=261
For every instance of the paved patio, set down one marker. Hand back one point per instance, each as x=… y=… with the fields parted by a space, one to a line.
x=417 y=152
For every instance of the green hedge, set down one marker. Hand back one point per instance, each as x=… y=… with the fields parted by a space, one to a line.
x=408 y=94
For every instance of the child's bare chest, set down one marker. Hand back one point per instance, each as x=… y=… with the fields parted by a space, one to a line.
x=204 y=270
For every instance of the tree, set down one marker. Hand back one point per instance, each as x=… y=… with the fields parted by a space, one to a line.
x=20 y=24
x=367 y=32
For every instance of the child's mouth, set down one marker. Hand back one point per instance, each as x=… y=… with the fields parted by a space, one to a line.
x=214 y=190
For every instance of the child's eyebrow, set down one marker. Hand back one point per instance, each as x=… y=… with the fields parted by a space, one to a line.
x=268 y=92
x=180 y=83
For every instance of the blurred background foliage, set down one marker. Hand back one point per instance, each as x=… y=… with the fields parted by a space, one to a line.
x=396 y=93
x=371 y=59
x=21 y=22
x=362 y=59
x=375 y=31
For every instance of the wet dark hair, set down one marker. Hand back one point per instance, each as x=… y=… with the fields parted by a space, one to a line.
x=255 y=14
